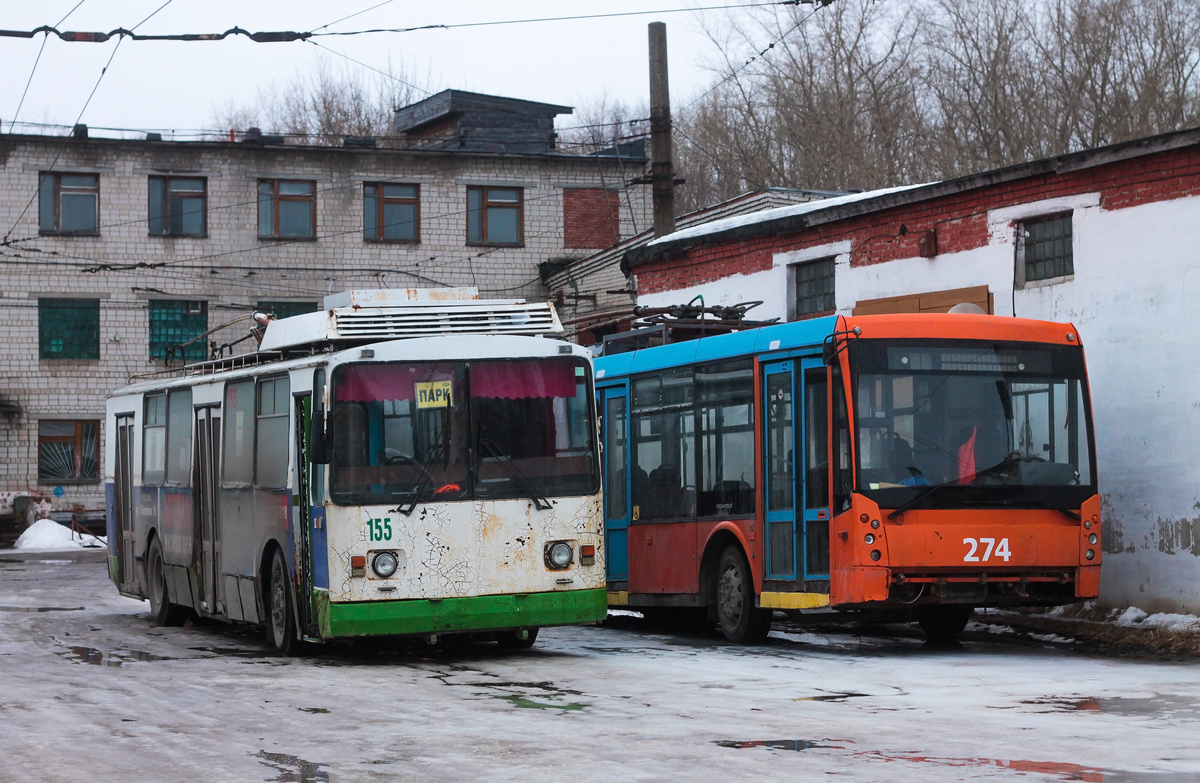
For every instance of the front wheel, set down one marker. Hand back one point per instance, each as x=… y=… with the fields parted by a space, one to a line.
x=945 y=621
x=517 y=640
x=163 y=612
x=741 y=621
x=281 y=620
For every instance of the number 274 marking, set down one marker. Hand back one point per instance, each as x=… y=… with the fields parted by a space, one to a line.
x=999 y=550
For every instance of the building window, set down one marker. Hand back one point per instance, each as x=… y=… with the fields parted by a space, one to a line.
x=282 y=309
x=391 y=213
x=1044 y=249
x=287 y=209
x=68 y=328
x=174 y=322
x=67 y=452
x=69 y=203
x=812 y=286
x=177 y=206
x=494 y=216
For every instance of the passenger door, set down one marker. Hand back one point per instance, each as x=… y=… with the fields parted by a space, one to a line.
x=127 y=576
x=615 y=437
x=206 y=507
x=301 y=515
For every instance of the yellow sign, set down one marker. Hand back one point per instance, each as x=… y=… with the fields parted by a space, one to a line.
x=433 y=394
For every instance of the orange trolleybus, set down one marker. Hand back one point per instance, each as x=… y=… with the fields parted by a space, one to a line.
x=932 y=463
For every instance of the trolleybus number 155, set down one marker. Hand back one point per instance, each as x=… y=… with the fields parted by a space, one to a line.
x=999 y=550
x=381 y=529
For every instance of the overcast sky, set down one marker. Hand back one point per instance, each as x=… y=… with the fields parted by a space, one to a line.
x=185 y=85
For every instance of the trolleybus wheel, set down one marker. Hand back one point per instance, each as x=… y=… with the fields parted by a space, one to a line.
x=511 y=640
x=944 y=621
x=162 y=610
x=740 y=620
x=281 y=622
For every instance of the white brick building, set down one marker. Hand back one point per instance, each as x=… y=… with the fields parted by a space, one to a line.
x=114 y=251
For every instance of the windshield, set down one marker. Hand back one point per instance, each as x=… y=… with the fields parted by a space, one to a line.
x=998 y=423
x=421 y=431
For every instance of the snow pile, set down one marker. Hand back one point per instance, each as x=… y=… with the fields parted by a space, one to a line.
x=1136 y=618
x=48 y=535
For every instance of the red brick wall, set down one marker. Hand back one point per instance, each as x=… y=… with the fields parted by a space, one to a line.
x=960 y=220
x=591 y=217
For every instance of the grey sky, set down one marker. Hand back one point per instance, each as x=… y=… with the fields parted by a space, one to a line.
x=183 y=85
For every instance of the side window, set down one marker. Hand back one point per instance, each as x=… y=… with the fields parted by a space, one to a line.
x=271 y=452
x=842 y=472
x=154 y=440
x=176 y=206
x=317 y=476
x=391 y=212
x=287 y=209
x=237 y=463
x=616 y=440
x=725 y=396
x=664 y=452
x=179 y=437
x=69 y=203
x=1044 y=249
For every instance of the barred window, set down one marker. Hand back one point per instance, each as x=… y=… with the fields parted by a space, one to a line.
x=812 y=288
x=1044 y=248
x=68 y=452
x=174 y=322
x=68 y=328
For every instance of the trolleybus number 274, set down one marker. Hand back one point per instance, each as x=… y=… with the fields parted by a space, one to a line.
x=999 y=550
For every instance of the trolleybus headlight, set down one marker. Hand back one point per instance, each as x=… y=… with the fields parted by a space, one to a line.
x=876 y=554
x=559 y=555
x=1092 y=539
x=1090 y=555
x=870 y=538
x=384 y=564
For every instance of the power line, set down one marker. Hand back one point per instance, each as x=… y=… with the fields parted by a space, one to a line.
x=351 y=16
x=37 y=60
x=370 y=67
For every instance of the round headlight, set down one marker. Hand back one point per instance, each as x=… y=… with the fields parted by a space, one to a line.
x=1090 y=555
x=1092 y=538
x=876 y=554
x=384 y=564
x=870 y=538
x=559 y=555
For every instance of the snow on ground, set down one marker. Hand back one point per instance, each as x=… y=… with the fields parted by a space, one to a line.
x=46 y=535
x=1134 y=617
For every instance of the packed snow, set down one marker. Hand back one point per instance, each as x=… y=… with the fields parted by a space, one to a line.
x=46 y=535
x=1136 y=618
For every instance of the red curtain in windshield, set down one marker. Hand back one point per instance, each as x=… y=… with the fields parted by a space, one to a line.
x=516 y=380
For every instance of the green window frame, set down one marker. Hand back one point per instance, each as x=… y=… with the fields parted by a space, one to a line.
x=68 y=328
x=69 y=203
x=283 y=309
x=391 y=212
x=177 y=206
x=174 y=322
x=495 y=216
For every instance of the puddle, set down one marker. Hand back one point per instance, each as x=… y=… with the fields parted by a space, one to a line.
x=833 y=697
x=780 y=744
x=41 y=608
x=292 y=769
x=530 y=704
x=231 y=652
x=315 y=710
x=116 y=658
x=1158 y=705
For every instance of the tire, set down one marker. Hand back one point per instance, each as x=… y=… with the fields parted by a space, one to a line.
x=740 y=620
x=162 y=611
x=281 y=617
x=511 y=640
x=944 y=622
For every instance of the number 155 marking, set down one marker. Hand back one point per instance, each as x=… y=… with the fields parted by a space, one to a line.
x=999 y=550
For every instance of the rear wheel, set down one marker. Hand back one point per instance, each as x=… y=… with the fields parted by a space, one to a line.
x=281 y=620
x=944 y=622
x=517 y=640
x=741 y=621
x=162 y=610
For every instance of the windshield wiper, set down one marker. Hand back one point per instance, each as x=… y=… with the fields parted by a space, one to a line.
x=926 y=492
x=539 y=502
x=414 y=495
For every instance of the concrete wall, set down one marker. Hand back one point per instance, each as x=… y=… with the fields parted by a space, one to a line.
x=1134 y=297
x=232 y=268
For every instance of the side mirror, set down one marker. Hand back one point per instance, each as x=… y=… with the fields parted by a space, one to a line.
x=320 y=438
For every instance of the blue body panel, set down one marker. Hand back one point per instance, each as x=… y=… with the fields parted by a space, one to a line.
x=320 y=547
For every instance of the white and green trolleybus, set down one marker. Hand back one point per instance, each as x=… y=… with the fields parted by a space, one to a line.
x=401 y=463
